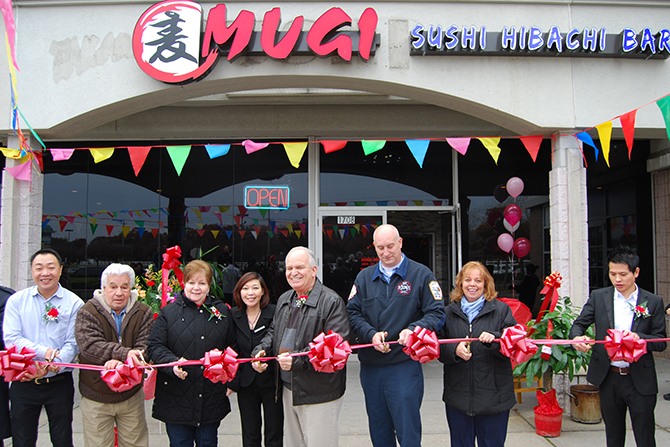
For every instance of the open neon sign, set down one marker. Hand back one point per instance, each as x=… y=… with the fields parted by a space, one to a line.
x=267 y=197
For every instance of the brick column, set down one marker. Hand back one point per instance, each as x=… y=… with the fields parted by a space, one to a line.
x=569 y=218
x=20 y=224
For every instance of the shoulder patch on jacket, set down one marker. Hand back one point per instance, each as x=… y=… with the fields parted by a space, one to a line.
x=353 y=291
x=435 y=290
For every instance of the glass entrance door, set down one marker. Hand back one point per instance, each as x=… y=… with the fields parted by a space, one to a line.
x=346 y=245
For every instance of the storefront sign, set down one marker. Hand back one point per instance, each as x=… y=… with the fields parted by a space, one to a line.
x=264 y=197
x=169 y=45
x=534 y=41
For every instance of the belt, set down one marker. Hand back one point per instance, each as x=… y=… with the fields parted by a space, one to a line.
x=54 y=379
x=622 y=371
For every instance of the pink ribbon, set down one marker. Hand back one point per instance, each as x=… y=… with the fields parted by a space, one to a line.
x=422 y=345
x=220 y=366
x=329 y=353
x=124 y=377
x=622 y=346
x=515 y=345
x=15 y=365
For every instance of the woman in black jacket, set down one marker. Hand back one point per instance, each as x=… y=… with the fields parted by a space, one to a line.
x=191 y=405
x=252 y=317
x=478 y=381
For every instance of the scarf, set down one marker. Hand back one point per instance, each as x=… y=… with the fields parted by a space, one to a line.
x=472 y=309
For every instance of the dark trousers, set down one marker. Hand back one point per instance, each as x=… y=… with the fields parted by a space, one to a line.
x=249 y=400
x=28 y=398
x=393 y=395
x=490 y=430
x=5 y=421
x=181 y=435
x=618 y=394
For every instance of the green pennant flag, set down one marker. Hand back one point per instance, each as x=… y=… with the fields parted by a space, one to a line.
x=664 y=105
x=93 y=228
x=263 y=212
x=372 y=146
x=140 y=223
x=178 y=155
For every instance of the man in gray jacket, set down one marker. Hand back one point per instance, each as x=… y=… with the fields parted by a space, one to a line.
x=111 y=327
x=312 y=400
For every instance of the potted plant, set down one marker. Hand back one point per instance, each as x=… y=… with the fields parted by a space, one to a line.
x=562 y=359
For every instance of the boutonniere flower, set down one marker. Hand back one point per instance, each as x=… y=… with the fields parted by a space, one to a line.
x=301 y=300
x=50 y=313
x=213 y=313
x=641 y=311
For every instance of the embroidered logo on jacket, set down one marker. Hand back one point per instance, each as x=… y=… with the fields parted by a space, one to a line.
x=404 y=288
x=435 y=290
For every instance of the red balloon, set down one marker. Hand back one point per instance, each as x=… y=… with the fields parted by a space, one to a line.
x=512 y=214
x=521 y=247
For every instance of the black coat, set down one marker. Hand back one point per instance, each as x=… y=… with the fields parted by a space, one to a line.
x=184 y=330
x=599 y=309
x=484 y=384
x=246 y=341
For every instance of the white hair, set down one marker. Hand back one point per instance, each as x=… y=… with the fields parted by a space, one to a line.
x=310 y=254
x=117 y=269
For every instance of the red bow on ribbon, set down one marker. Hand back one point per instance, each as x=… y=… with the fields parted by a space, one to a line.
x=515 y=345
x=328 y=353
x=622 y=346
x=15 y=365
x=124 y=377
x=170 y=262
x=550 y=290
x=220 y=366
x=422 y=345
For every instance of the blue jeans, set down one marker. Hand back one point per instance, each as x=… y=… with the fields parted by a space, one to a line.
x=393 y=395
x=182 y=435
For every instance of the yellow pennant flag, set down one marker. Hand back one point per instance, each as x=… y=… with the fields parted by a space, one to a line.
x=491 y=144
x=101 y=153
x=126 y=230
x=224 y=209
x=197 y=213
x=10 y=153
x=215 y=233
x=295 y=151
x=605 y=134
x=290 y=228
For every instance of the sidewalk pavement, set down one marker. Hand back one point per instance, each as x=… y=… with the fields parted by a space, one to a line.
x=353 y=418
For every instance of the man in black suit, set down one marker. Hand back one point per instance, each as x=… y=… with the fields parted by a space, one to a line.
x=622 y=385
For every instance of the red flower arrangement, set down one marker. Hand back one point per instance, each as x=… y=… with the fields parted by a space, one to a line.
x=50 y=313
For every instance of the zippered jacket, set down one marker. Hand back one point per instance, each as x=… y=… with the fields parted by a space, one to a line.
x=322 y=312
x=484 y=384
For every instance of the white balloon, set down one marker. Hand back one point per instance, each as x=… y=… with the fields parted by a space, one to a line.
x=511 y=228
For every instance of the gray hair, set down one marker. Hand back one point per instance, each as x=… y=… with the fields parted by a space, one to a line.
x=117 y=269
x=310 y=254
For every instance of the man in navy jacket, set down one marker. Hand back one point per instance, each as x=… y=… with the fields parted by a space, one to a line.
x=388 y=300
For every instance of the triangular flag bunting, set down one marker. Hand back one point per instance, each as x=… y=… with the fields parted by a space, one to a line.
x=178 y=155
x=61 y=154
x=218 y=216
x=460 y=145
x=125 y=229
x=101 y=153
x=664 y=105
x=298 y=233
x=200 y=232
x=352 y=230
x=69 y=219
x=140 y=230
x=154 y=232
x=109 y=229
x=140 y=223
x=605 y=134
x=341 y=233
x=284 y=231
x=224 y=209
x=532 y=144
x=401 y=202
x=217 y=150
x=93 y=228
x=330 y=233
x=418 y=202
x=242 y=232
x=263 y=212
x=215 y=233
x=197 y=213
x=290 y=227
x=628 y=127
x=229 y=234
x=418 y=148
x=138 y=155
x=491 y=145
x=360 y=203
x=295 y=151
x=204 y=209
x=252 y=147
x=254 y=234
x=303 y=227
x=62 y=224
x=238 y=220
x=20 y=172
x=371 y=146
x=586 y=138
x=364 y=230
x=333 y=145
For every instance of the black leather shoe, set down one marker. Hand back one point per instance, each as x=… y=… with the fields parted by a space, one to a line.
x=666 y=396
